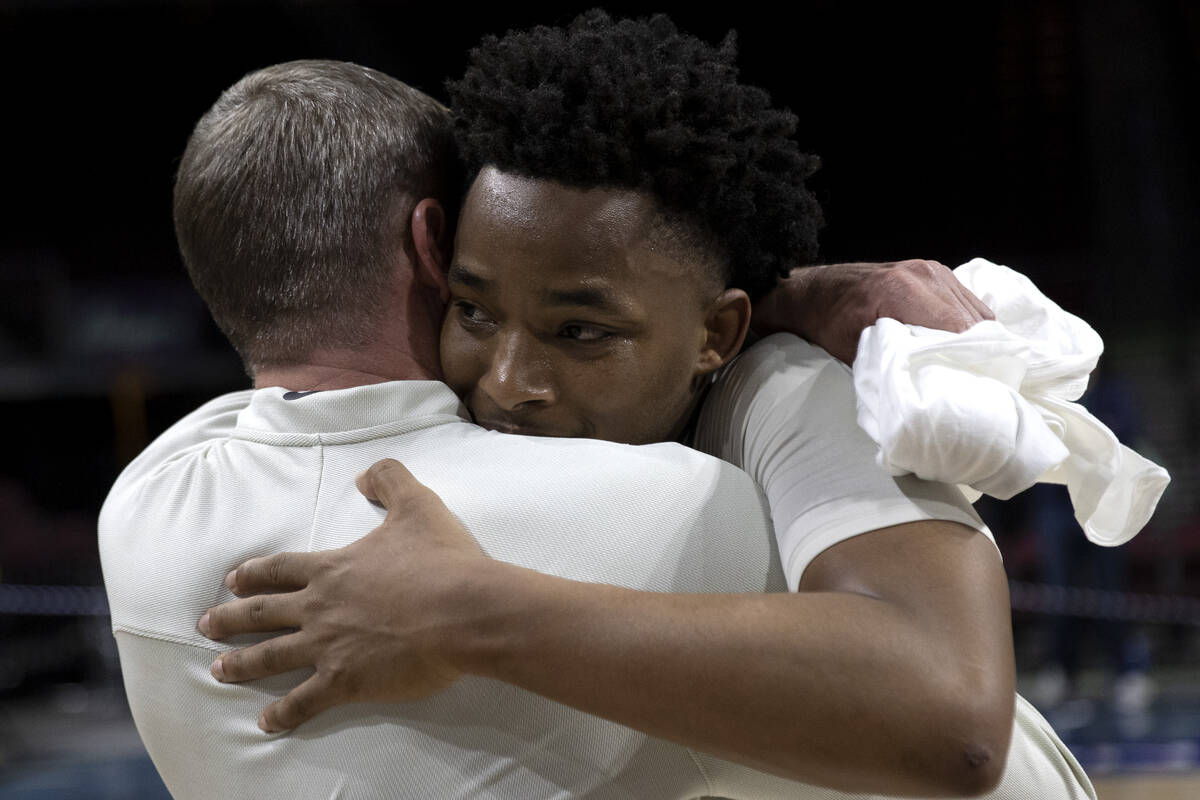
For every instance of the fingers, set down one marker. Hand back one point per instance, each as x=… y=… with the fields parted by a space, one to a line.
x=259 y=614
x=300 y=705
x=272 y=657
x=975 y=303
x=945 y=303
x=969 y=309
x=386 y=482
x=281 y=572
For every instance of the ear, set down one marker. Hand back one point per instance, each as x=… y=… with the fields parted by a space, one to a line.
x=431 y=240
x=725 y=326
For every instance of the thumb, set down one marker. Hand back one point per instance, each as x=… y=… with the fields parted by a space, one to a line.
x=386 y=482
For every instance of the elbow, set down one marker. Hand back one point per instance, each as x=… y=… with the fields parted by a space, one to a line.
x=978 y=770
x=974 y=746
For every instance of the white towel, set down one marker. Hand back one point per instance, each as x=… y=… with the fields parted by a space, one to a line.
x=992 y=408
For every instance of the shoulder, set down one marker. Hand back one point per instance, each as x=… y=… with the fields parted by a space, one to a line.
x=660 y=517
x=664 y=485
x=212 y=421
x=780 y=353
x=148 y=553
x=786 y=412
x=601 y=464
x=778 y=382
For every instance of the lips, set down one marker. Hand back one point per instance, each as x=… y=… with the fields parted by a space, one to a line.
x=509 y=427
x=525 y=429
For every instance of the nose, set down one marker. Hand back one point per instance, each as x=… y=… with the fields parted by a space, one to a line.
x=518 y=377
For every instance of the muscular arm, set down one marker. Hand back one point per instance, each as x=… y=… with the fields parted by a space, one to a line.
x=890 y=672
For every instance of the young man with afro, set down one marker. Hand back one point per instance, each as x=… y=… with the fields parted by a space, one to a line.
x=625 y=174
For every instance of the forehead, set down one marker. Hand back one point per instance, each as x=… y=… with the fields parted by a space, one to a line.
x=529 y=203
x=569 y=233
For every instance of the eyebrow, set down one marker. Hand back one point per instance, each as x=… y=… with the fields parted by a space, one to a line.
x=584 y=296
x=460 y=274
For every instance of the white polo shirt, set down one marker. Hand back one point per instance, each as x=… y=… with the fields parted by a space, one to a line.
x=253 y=473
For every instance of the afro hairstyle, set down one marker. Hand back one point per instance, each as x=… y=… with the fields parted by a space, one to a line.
x=637 y=104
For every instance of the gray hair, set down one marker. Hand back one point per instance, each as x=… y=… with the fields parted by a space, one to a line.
x=293 y=197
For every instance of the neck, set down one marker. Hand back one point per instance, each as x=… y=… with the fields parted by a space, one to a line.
x=404 y=347
x=344 y=370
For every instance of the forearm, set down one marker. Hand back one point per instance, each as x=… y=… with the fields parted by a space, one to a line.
x=836 y=689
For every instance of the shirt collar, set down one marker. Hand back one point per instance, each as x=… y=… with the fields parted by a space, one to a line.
x=361 y=408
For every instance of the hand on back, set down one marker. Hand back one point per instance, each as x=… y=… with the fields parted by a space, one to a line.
x=372 y=618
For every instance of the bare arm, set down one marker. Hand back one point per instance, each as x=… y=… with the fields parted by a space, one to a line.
x=890 y=672
x=831 y=305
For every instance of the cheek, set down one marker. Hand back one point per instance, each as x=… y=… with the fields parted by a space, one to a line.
x=461 y=359
x=669 y=390
x=646 y=402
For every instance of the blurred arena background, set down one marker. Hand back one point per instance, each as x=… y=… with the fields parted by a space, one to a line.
x=1057 y=137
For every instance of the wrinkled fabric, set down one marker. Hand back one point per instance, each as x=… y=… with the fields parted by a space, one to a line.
x=992 y=408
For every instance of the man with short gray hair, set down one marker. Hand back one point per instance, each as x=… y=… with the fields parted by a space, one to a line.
x=294 y=255
x=271 y=247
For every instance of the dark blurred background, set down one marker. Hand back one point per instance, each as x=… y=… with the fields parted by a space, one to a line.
x=1056 y=137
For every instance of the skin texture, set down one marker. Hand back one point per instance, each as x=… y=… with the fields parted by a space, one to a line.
x=566 y=319
x=890 y=671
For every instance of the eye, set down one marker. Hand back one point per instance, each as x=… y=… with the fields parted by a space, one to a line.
x=471 y=314
x=580 y=332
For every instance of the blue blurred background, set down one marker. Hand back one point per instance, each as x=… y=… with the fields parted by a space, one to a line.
x=1056 y=137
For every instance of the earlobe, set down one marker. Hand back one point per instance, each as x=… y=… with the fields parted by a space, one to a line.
x=726 y=323
x=431 y=241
